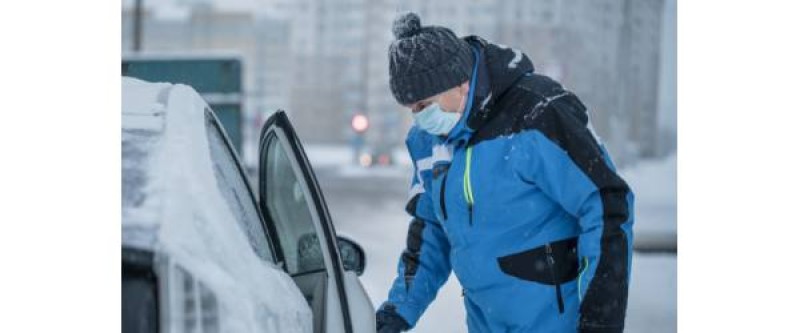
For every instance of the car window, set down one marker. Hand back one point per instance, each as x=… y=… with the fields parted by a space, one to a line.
x=234 y=189
x=288 y=206
x=139 y=292
x=139 y=305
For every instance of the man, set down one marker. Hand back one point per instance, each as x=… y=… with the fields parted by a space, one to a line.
x=511 y=190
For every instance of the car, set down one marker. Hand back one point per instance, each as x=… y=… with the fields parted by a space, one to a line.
x=202 y=251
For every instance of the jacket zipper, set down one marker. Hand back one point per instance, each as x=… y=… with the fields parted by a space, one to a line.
x=551 y=264
x=441 y=196
x=468 y=184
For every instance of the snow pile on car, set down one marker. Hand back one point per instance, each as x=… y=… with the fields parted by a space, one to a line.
x=173 y=207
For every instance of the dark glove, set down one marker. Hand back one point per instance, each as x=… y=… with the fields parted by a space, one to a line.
x=388 y=321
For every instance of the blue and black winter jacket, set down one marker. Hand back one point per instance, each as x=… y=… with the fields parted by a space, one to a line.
x=523 y=203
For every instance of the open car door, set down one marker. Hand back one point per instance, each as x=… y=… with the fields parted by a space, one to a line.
x=307 y=247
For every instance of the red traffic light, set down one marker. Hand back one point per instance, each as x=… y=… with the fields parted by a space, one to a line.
x=360 y=123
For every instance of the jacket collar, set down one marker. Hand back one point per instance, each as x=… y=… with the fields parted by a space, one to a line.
x=496 y=69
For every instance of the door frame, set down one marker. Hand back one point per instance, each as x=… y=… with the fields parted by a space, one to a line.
x=279 y=120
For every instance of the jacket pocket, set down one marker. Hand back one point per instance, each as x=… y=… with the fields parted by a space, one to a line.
x=553 y=264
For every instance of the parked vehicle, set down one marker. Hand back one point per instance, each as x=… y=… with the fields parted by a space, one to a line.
x=202 y=253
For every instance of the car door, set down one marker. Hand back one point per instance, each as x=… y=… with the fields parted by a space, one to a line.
x=296 y=213
x=237 y=194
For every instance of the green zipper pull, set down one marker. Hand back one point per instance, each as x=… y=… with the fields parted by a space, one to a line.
x=580 y=276
x=468 y=184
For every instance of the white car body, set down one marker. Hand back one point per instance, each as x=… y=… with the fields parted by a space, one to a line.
x=209 y=275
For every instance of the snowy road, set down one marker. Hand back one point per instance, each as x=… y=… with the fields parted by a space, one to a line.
x=368 y=205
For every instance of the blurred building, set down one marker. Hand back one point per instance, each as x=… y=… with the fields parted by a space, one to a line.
x=324 y=60
x=668 y=81
x=639 y=55
x=261 y=40
x=606 y=51
x=328 y=47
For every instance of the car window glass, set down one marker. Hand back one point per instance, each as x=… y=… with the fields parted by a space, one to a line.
x=234 y=189
x=139 y=293
x=289 y=208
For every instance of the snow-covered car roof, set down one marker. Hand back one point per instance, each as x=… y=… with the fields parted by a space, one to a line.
x=143 y=123
x=171 y=205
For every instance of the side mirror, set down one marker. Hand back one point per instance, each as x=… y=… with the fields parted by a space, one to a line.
x=353 y=256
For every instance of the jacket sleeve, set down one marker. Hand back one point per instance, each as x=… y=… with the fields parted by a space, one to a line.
x=568 y=163
x=424 y=265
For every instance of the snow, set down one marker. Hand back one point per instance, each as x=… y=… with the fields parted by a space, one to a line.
x=653 y=300
x=340 y=157
x=140 y=204
x=654 y=182
x=328 y=155
x=187 y=219
x=356 y=171
x=142 y=127
x=142 y=103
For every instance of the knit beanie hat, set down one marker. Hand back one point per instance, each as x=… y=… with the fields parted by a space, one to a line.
x=425 y=61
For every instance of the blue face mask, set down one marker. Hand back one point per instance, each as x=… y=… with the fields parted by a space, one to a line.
x=436 y=121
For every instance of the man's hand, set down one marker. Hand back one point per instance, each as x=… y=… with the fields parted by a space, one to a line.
x=388 y=321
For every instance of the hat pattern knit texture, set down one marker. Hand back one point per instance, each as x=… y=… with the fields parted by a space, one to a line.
x=425 y=60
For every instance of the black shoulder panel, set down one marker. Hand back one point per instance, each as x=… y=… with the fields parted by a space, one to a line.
x=412 y=251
